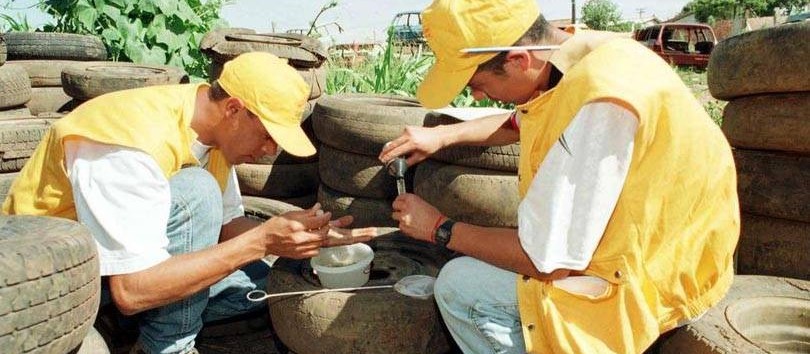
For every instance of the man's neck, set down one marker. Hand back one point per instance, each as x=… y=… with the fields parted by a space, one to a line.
x=204 y=119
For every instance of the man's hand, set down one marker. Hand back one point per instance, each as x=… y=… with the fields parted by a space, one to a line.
x=340 y=235
x=297 y=234
x=416 y=217
x=416 y=142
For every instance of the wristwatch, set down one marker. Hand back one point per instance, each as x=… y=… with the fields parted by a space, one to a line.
x=444 y=232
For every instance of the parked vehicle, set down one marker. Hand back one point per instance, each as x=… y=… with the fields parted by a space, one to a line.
x=407 y=27
x=680 y=43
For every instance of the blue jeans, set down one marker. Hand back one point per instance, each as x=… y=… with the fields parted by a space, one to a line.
x=478 y=302
x=194 y=224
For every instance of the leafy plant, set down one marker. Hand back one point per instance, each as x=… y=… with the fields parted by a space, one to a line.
x=143 y=31
x=708 y=10
x=9 y=23
x=601 y=14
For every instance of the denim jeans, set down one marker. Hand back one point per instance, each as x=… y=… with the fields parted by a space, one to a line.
x=478 y=302
x=194 y=224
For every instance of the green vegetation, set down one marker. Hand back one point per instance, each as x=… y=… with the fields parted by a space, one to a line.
x=604 y=15
x=696 y=80
x=711 y=10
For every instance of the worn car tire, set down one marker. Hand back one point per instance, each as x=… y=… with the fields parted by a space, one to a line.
x=286 y=48
x=48 y=99
x=362 y=123
x=93 y=343
x=49 y=284
x=18 y=140
x=758 y=315
x=500 y=158
x=45 y=73
x=772 y=246
x=15 y=113
x=366 y=211
x=54 y=46
x=358 y=175
x=769 y=122
x=15 y=87
x=265 y=208
x=371 y=321
x=3 y=50
x=278 y=181
x=468 y=194
x=772 y=60
x=774 y=184
x=6 y=179
x=92 y=79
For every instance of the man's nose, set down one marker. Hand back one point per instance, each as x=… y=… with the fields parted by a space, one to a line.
x=478 y=95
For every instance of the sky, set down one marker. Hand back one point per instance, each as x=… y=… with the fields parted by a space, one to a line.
x=363 y=20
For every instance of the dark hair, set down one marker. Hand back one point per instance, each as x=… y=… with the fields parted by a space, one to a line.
x=538 y=33
x=216 y=92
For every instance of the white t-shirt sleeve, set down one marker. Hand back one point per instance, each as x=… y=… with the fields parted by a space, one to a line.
x=567 y=207
x=232 y=207
x=128 y=224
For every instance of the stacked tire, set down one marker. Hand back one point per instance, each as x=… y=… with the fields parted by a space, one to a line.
x=285 y=178
x=764 y=74
x=473 y=184
x=353 y=129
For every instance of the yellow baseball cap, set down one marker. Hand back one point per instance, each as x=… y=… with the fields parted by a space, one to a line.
x=452 y=25
x=275 y=92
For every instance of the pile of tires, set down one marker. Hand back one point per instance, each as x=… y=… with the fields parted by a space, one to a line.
x=285 y=178
x=764 y=74
x=473 y=184
x=353 y=129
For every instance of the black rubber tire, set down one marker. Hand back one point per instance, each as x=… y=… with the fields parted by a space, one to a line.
x=472 y=195
x=755 y=310
x=371 y=321
x=278 y=181
x=45 y=73
x=18 y=140
x=769 y=122
x=49 y=284
x=92 y=79
x=288 y=49
x=54 y=46
x=774 y=184
x=93 y=343
x=366 y=211
x=48 y=100
x=771 y=246
x=15 y=87
x=6 y=179
x=216 y=36
x=362 y=123
x=772 y=60
x=358 y=175
x=499 y=158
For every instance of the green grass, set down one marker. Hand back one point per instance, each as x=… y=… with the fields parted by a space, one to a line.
x=696 y=80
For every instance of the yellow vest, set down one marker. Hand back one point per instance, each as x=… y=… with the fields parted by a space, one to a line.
x=155 y=120
x=667 y=249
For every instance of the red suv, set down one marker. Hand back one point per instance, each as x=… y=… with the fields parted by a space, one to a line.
x=680 y=43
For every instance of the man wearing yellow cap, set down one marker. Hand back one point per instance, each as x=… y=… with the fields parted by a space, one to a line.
x=149 y=172
x=629 y=214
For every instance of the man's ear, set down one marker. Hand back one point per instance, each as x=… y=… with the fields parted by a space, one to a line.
x=520 y=58
x=233 y=105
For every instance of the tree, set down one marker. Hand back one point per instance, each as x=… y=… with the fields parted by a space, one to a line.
x=601 y=14
x=708 y=10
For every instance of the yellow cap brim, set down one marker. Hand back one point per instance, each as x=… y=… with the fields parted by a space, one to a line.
x=291 y=139
x=442 y=84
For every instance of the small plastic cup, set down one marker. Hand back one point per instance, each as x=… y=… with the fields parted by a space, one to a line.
x=348 y=276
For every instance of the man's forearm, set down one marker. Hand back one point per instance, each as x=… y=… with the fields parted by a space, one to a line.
x=487 y=131
x=182 y=275
x=497 y=246
x=237 y=227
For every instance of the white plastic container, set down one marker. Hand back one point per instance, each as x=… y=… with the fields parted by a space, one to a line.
x=352 y=275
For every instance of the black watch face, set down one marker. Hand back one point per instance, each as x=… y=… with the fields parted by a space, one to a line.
x=442 y=235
